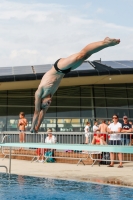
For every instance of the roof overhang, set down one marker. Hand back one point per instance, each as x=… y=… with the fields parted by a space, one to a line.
x=89 y=73
x=71 y=81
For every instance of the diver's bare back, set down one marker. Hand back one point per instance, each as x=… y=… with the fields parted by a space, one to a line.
x=49 y=83
x=51 y=80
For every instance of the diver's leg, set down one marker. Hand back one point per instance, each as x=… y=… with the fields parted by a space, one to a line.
x=20 y=137
x=23 y=136
x=77 y=59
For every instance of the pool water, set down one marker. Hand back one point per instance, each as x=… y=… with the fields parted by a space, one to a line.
x=30 y=188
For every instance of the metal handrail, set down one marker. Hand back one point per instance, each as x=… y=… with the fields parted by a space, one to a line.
x=3 y=153
x=5 y=168
x=5 y=137
x=2 y=148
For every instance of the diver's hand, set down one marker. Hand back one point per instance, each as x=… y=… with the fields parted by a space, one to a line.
x=33 y=130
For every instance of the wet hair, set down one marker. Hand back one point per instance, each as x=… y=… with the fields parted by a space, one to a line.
x=103 y=121
x=22 y=113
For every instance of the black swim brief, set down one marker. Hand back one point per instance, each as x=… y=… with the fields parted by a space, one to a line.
x=65 y=71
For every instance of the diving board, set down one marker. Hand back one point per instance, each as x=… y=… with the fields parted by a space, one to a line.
x=80 y=147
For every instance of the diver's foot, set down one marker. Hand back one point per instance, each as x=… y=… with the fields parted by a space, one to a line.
x=111 y=42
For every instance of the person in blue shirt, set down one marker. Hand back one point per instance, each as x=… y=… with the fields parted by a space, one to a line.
x=126 y=129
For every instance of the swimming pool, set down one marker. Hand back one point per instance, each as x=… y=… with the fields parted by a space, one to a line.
x=24 y=187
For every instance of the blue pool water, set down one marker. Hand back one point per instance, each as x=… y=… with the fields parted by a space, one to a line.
x=30 y=188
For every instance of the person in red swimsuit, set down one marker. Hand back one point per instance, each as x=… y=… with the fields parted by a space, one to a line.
x=98 y=139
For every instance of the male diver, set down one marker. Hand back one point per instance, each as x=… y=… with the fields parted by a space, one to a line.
x=51 y=79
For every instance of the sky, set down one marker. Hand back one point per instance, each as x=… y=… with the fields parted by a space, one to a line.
x=34 y=32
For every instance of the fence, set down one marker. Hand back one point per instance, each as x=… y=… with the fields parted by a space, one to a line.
x=75 y=138
x=62 y=137
x=67 y=155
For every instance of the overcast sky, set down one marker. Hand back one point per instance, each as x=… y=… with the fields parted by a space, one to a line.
x=41 y=31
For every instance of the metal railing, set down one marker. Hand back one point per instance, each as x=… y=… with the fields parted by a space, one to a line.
x=68 y=138
x=3 y=166
x=61 y=138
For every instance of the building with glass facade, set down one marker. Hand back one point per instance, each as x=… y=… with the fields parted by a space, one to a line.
x=93 y=91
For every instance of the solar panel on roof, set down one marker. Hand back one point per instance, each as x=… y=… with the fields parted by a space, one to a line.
x=22 y=70
x=114 y=64
x=126 y=63
x=5 y=71
x=84 y=66
x=42 y=68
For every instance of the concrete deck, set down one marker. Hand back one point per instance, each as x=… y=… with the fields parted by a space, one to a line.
x=102 y=174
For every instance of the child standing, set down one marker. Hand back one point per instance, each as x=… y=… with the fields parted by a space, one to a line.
x=22 y=123
x=87 y=133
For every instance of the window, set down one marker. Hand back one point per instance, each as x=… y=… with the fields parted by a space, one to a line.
x=130 y=103
x=116 y=92
x=101 y=113
x=86 y=112
x=100 y=102
x=99 y=91
x=118 y=111
x=68 y=112
x=117 y=103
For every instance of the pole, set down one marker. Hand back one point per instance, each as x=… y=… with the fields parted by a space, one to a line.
x=10 y=158
x=10 y=161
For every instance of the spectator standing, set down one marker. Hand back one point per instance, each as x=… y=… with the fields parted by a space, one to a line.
x=22 y=123
x=109 y=122
x=103 y=130
x=87 y=132
x=131 y=124
x=95 y=127
x=132 y=132
x=126 y=128
x=114 y=130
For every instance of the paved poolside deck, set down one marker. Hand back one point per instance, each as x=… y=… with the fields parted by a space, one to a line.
x=102 y=174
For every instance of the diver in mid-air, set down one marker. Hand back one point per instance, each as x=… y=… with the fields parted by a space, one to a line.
x=51 y=80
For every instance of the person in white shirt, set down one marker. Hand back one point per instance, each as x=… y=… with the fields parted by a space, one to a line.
x=95 y=127
x=87 y=132
x=49 y=139
x=114 y=130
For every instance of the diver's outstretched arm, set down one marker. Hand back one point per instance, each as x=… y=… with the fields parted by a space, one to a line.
x=40 y=119
x=36 y=113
